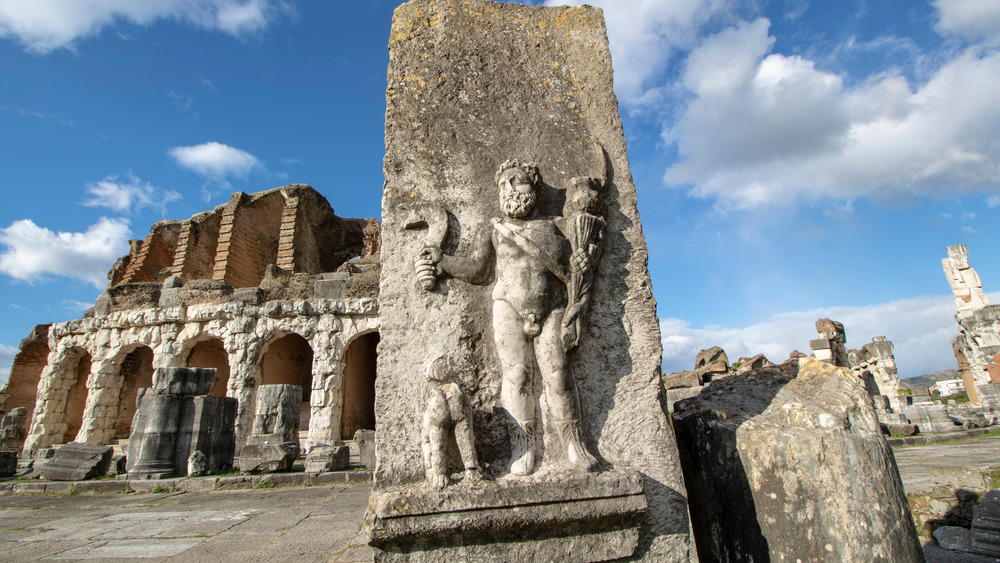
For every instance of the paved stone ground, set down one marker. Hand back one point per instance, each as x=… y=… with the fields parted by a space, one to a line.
x=915 y=462
x=300 y=524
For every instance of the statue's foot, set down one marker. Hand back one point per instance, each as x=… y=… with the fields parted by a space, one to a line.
x=580 y=459
x=577 y=456
x=438 y=481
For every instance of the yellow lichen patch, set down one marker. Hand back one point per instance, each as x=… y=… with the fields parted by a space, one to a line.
x=417 y=79
x=413 y=194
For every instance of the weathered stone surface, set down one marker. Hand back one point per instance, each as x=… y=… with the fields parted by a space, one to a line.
x=8 y=463
x=197 y=464
x=580 y=517
x=12 y=429
x=785 y=468
x=824 y=481
x=986 y=525
x=268 y=458
x=277 y=414
x=168 y=427
x=720 y=497
x=76 y=462
x=471 y=85
x=365 y=440
x=183 y=381
x=899 y=429
x=323 y=459
x=829 y=347
x=118 y=465
x=954 y=538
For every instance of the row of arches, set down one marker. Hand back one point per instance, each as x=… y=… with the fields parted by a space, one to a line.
x=286 y=360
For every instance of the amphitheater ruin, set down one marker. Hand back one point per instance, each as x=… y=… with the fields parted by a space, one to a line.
x=270 y=288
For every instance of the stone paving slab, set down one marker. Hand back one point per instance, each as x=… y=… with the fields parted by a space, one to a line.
x=915 y=462
x=320 y=523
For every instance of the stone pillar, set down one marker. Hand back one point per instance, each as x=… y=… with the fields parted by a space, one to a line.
x=472 y=85
x=964 y=281
x=174 y=419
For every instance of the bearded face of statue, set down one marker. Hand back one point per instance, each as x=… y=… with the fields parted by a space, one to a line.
x=517 y=194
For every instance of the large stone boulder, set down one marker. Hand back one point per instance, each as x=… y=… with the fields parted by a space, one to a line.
x=798 y=455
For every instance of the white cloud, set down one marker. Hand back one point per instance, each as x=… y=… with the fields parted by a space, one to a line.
x=764 y=127
x=645 y=35
x=32 y=252
x=6 y=361
x=216 y=161
x=972 y=19
x=43 y=26
x=920 y=328
x=75 y=306
x=129 y=195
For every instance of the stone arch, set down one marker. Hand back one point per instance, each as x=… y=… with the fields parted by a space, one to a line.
x=74 y=370
x=287 y=358
x=135 y=371
x=209 y=352
x=357 y=390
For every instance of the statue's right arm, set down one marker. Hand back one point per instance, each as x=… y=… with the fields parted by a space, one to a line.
x=474 y=266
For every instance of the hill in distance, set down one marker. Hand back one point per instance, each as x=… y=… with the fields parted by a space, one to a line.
x=929 y=379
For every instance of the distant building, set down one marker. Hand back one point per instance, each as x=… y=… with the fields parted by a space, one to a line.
x=950 y=387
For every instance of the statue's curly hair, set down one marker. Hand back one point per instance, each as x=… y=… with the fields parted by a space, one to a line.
x=529 y=168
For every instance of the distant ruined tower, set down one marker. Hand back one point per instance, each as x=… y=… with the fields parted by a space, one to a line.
x=977 y=347
x=964 y=281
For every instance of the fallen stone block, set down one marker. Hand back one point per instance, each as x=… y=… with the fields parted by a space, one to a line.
x=77 y=461
x=954 y=538
x=268 y=458
x=899 y=429
x=323 y=459
x=365 y=441
x=118 y=465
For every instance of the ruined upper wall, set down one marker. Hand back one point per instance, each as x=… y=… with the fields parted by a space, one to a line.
x=292 y=227
x=964 y=281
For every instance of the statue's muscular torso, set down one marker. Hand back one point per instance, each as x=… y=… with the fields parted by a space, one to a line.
x=523 y=281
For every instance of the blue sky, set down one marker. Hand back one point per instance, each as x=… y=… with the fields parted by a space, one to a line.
x=794 y=159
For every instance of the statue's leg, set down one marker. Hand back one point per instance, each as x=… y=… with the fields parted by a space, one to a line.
x=517 y=393
x=466 y=440
x=561 y=393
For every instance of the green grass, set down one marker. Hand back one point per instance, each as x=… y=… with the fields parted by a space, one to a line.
x=992 y=477
x=128 y=490
x=266 y=484
x=160 y=490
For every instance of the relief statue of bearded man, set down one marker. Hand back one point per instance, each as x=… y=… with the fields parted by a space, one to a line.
x=534 y=262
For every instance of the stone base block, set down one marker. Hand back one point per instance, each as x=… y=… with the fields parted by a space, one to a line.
x=564 y=517
x=324 y=459
x=118 y=465
x=268 y=458
x=365 y=440
x=8 y=464
x=898 y=429
x=77 y=461
x=986 y=525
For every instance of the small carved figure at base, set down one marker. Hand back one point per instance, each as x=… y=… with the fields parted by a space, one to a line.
x=447 y=410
